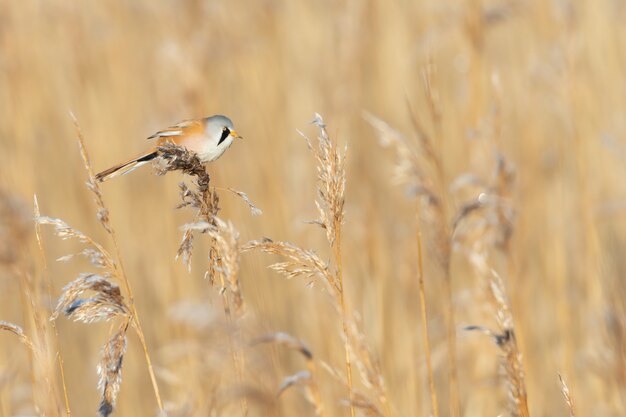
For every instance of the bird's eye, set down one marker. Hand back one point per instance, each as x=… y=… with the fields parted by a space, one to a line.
x=225 y=133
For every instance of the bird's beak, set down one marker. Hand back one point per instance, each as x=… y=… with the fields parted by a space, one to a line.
x=235 y=134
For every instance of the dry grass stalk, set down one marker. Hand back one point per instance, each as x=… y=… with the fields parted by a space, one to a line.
x=331 y=189
x=93 y=297
x=410 y=172
x=103 y=217
x=360 y=401
x=331 y=186
x=224 y=249
x=44 y=381
x=368 y=366
x=201 y=197
x=16 y=258
x=444 y=236
x=567 y=396
x=44 y=260
x=483 y=223
x=306 y=378
x=223 y=259
x=424 y=316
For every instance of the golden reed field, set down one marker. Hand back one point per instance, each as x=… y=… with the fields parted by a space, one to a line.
x=449 y=242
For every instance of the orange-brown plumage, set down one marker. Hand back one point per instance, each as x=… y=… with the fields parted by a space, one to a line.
x=208 y=138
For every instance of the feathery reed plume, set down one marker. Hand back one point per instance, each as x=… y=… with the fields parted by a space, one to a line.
x=409 y=172
x=223 y=259
x=476 y=235
x=367 y=365
x=300 y=262
x=16 y=258
x=110 y=370
x=489 y=215
x=225 y=240
x=331 y=186
x=18 y=331
x=105 y=304
x=224 y=249
x=331 y=189
x=95 y=297
x=42 y=253
x=567 y=396
x=306 y=377
x=103 y=216
x=505 y=340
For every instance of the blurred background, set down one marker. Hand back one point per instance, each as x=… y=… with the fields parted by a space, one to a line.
x=540 y=83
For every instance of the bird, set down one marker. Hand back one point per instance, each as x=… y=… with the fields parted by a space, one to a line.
x=208 y=138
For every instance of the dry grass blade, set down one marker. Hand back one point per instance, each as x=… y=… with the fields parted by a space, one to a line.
x=286 y=340
x=302 y=377
x=253 y=208
x=96 y=254
x=18 y=331
x=110 y=370
x=301 y=262
x=107 y=303
x=567 y=395
x=308 y=377
x=366 y=406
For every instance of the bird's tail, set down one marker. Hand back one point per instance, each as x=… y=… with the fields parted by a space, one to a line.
x=126 y=167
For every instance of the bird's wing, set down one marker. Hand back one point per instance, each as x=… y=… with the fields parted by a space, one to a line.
x=179 y=131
